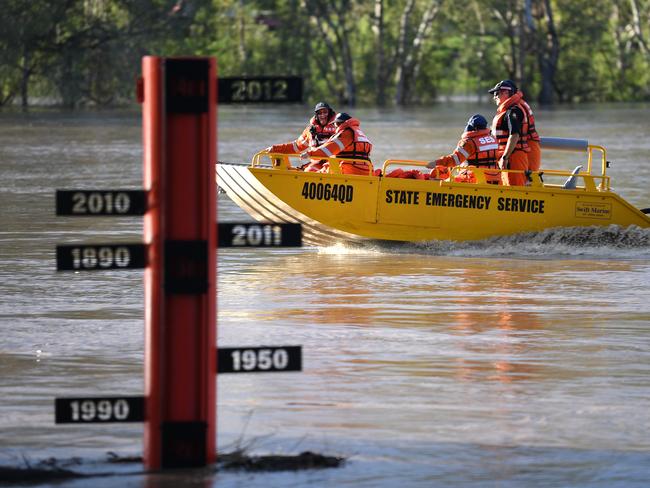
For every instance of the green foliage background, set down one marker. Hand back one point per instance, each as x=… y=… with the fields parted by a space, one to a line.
x=88 y=52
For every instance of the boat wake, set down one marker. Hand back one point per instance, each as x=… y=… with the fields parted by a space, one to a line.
x=612 y=242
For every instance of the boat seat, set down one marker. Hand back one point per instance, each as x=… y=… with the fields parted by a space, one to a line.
x=572 y=182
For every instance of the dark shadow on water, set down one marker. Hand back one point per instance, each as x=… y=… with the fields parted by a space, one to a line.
x=56 y=470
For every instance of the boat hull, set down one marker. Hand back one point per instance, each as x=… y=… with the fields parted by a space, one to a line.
x=337 y=207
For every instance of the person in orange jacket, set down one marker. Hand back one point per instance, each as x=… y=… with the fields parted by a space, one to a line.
x=510 y=128
x=348 y=142
x=534 y=143
x=320 y=129
x=477 y=147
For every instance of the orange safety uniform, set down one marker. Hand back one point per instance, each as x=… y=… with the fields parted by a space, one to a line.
x=348 y=142
x=511 y=118
x=314 y=135
x=535 y=153
x=478 y=148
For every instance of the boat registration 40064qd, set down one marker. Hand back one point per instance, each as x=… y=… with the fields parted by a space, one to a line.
x=334 y=207
x=328 y=192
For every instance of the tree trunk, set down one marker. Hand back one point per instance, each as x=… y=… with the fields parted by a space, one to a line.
x=425 y=25
x=636 y=28
x=506 y=18
x=480 y=52
x=400 y=53
x=380 y=73
x=243 y=55
x=348 y=69
x=527 y=40
x=521 y=44
x=409 y=60
x=24 y=81
x=548 y=57
x=335 y=33
x=619 y=39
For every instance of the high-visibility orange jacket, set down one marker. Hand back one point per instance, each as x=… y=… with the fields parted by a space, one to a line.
x=348 y=141
x=532 y=131
x=477 y=147
x=313 y=136
x=511 y=117
x=534 y=143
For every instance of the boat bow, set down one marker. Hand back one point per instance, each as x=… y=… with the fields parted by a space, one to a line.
x=261 y=204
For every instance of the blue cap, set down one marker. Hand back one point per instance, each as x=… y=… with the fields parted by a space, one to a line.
x=504 y=85
x=341 y=117
x=476 y=122
x=321 y=106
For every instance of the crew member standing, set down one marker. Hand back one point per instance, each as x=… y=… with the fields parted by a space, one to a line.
x=534 y=144
x=348 y=142
x=510 y=128
x=320 y=129
x=476 y=146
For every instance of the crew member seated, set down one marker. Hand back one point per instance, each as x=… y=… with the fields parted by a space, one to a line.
x=320 y=129
x=348 y=142
x=476 y=148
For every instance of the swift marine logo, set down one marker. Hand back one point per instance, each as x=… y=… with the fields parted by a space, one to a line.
x=594 y=210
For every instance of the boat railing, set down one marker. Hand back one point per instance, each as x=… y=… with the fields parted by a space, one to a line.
x=590 y=182
x=454 y=171
x=275 y=160
x=284 y=161
x=595 y=154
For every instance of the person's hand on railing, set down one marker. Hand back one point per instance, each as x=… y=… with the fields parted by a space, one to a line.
x=433 y=164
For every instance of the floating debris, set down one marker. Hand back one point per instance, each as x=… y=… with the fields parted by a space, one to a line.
x=238 y=460
x=117 y=459
x=36 y=475
x=50 y=470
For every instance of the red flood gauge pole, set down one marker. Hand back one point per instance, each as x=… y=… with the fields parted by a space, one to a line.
x=179 y=130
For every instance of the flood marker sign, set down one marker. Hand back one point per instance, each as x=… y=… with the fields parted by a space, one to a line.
x=99 y=410
x=247 y=234
x=91 y=203
x=259 y=359
x=85 y=257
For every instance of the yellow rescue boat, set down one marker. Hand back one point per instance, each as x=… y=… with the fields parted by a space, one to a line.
x=335 y=207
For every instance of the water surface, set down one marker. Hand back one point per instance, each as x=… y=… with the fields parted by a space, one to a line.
x=519 y=361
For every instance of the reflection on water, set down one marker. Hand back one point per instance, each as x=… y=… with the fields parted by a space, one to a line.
x=520 y=361
x=548 y=329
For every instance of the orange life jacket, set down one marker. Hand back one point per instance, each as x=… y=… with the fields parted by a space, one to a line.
x=313 y=136
x=482 y=148
x=412 y=174
x=532 y=131
x=320 y=133
x=499 y=129
x=439 y=173
x=477 y=147
x=359 y=146
x=348 y=141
